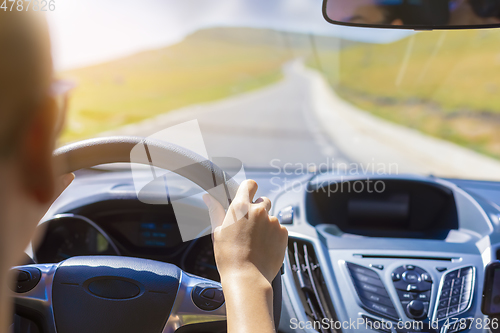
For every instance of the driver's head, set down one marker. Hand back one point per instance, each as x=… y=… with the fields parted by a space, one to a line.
x=374 y=14
x=25 y=74
x=28 y=116
x=365 y=12
x=361 y=12
x=390 y=12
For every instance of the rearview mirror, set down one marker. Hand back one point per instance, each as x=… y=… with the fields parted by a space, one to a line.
x=414 y=14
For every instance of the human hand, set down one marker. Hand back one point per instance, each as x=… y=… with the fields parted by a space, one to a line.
x=247 y=241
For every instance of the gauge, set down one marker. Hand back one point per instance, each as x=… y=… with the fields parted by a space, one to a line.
x=200 y=259
x=67 y=236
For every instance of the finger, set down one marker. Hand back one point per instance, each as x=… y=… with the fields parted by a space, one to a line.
x=274 y=219
x=246 y=191
x=264 y=201
x=215 y=210
x=63 y=182
x=68 y=179
x=241 y=204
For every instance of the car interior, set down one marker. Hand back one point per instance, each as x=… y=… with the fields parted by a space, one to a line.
x=127 y=247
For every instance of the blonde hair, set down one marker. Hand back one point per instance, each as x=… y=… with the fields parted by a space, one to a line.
x=25 y=72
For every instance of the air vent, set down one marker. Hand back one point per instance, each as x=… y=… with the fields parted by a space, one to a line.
x=311 y=284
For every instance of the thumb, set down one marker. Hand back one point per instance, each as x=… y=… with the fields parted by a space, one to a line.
x=216 y=211
x=62 y=183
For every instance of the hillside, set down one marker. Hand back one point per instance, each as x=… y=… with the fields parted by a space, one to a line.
x=445 y=84
x=208 y=65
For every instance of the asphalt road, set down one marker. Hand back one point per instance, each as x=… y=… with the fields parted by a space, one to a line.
x=271 y=127
x=300 y=123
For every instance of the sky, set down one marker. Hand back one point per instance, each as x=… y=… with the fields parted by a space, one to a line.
x=86 y=32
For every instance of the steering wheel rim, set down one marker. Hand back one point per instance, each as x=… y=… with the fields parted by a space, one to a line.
x=155 y=153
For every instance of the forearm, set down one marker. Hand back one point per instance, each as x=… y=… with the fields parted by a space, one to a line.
x=5 y=300
x=249 y=304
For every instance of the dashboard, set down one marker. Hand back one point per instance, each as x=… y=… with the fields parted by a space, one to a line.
x=128 y=228
x=414 y=252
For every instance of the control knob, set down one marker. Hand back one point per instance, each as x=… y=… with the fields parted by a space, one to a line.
x=416 y=309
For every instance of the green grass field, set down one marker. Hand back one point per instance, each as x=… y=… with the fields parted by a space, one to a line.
x=208 y=65
x=446 y=84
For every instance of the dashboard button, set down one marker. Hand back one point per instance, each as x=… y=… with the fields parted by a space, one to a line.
x=467 y=278
x=442 y=313
x=411 y=277
x=377 y=298
x=406 y=296
x=412 y=287
x=416 y=309
x=426 y=277
x=409 y=267
x=462 y=306
x=219 y=296
x=367 y=279
x=445 y=293
x=452 y=310
x=361 y=270
x=447 y=284
x=466 y=271
x=465 y=296
x=443 y=304
x=381 y=267
x=441 y=269
x=382 y=309
x=454 y=300
x=208 y=293
x=467 y=286
x=372 y=289
x=26 y=279
x=285 y=216
x=396 y=276
x=456 y=291
x=208 y=297
x=425 y=296
x=23 y=276
x=451 y=275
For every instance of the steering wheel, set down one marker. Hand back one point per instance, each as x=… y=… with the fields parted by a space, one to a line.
x=120 y=294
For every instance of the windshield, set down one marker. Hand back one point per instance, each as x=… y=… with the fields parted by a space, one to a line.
x=275 y=86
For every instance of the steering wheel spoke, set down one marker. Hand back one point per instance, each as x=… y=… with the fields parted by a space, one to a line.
x=187 y=309
x=33 y=295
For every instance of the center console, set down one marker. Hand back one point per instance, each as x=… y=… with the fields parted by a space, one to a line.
x=408 y=256
x=413 y=286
